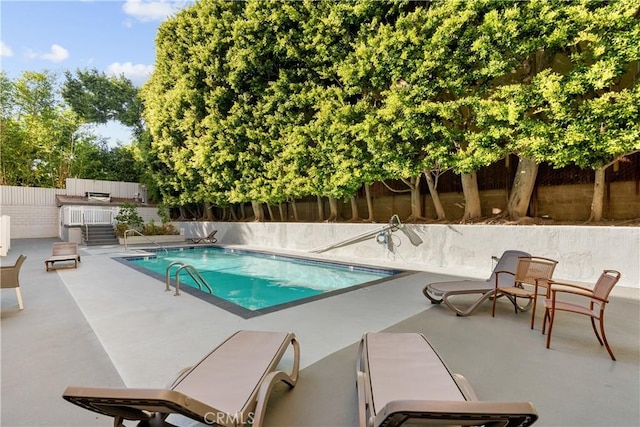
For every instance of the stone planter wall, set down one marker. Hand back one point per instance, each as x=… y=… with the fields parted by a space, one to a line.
x=139 y=240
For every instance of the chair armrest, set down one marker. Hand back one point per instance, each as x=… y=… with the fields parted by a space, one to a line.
x=463 y=412
x=569 y=286
x=263 y=394
x=465 y=387
x=572 y=289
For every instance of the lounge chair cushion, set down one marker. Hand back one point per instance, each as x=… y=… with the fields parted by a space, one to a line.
x=238 y=364
x=403 y=367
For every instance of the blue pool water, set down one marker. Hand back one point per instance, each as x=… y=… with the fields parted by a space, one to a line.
x=259 y=281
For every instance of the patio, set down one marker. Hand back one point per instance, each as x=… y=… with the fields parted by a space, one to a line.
x=104 y=324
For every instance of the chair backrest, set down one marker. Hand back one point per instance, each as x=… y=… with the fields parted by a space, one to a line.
x=9 y=274
x=507 y=262
x=605 y=283
x=65 y=248
x=531 y=268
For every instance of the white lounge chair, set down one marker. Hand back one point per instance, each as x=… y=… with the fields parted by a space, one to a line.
x=401 y=378
x=230 y=386
x=447 y=291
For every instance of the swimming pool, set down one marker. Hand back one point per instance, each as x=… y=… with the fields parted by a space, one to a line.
x=252 y=283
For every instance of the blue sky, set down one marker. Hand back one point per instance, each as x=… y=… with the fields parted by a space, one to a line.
x=113 y=36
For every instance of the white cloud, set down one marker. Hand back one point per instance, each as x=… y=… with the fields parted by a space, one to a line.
x=5 y=50
x=145 y=10
x=137 y=73
x=56 y=54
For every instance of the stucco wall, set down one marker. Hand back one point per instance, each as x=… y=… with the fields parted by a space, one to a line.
x=582 y=252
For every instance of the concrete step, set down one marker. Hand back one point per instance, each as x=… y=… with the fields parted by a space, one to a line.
x=101 y=242
x=96 y=235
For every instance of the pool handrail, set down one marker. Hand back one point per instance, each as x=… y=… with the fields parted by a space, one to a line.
x=140 y=234
x=394 y=225
x=191 y=270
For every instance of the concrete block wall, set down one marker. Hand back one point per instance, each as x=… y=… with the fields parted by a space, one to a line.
x=572 y=202
x=466 y=250
x=33 y=221
x=29 y=222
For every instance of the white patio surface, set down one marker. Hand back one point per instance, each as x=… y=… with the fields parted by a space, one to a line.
x=105 y=324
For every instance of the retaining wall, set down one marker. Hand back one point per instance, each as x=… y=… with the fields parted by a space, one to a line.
x=582 y=252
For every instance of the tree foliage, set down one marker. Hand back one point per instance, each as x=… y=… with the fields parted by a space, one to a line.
x=98 y=98
x=269 y=101
x=44 y=140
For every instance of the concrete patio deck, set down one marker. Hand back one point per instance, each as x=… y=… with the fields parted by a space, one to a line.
x=105 y=324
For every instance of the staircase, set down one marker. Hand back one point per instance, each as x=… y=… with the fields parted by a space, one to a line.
x=94 y=235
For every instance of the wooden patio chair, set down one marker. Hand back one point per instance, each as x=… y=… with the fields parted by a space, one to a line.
x=597 y=299
x=9 y=278
x=531 y=276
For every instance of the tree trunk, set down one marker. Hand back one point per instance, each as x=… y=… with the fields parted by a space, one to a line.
x=208 y=212
x=281 y=210
x=472 y=207
x=183 y=214
x=597 y=203
x=294 y=207
x=320 y=208
x=232 y=213
x=435 y=196
x=243 y=213
x=333 y=210
x=416 y=200
x=258 y=213
x=271 y=217
x=367 y=192
x=522 y=188
x=355 y=214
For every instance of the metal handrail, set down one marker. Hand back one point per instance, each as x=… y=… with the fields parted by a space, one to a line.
x=167 y=274
x=393 y=225
x=191 y=270
x=140 y=234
